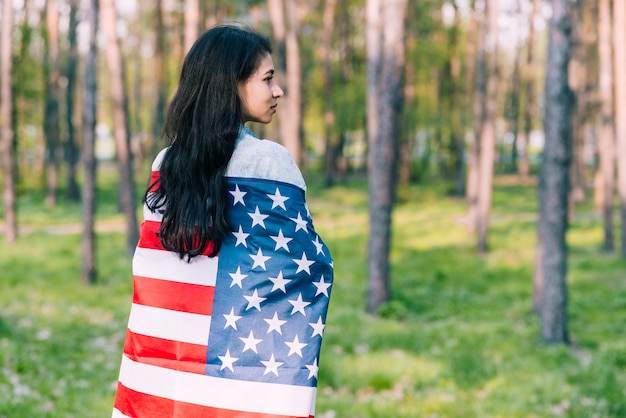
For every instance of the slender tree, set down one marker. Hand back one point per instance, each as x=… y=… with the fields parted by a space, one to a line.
x=160 y=75
x=121 y=129
x=137 y=65
x=582 y=76
x=450 y=123
x=52 y=69
x=514 y=99
x=457 y=140
x=480 y=94
x=73 y=192
x=619 y=45
x=606 y=132
x=529 y=92
x=7 y=139
x=88 y=270
x=192 y=22
x=554 y=177
x=487 y=135
x=378 y=291
x=468 y=108
x=524 y=160
x=285 y=19
x=333 y=142
x=385 y=61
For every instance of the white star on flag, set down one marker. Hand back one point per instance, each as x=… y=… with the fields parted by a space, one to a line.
x=300 y=223
x=279 y=282
x=278 y=199
x=258 y=218
x=227 y=361
x=237 y=277
x=231 y=319
x=295 y=347
x=313 y=368
x=318 y=327
x=259 y=259
x=238 y=195
x=322 y=287
x=275 y=324
x=254 y=301
x=271 y=365
x=281 y=240
x=298 y=305
x=250 y=342
x=303 y=264
x=241 y=237
x=319 y=247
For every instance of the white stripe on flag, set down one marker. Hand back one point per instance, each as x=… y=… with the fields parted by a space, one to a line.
x=170 y=325
x=238 y=395
x=148 y=215
x=159 y=264
x=156 y=164
x=118 y=414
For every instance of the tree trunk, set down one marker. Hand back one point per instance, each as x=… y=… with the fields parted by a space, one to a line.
x=457 y=140
x=7 y=139
x=120 y=120
x=470 y=62
x=529 y=88
x=192 y=22
x=554 y=178
x=580 y=76
x=487 y=130
x=285 y=18
x=331 y=139
x=524 y=160
x=480 y=94
x=386 y=56
x=160 y=73
x=619 y=35
x=514 y=99
x=146 y=144
x=292 y=137
x=405 y=168
x=73 y=192
x=51 y=117
x=88 y=270
x=606 y=133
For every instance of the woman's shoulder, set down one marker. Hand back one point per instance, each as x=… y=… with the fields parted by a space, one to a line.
x=265 y=159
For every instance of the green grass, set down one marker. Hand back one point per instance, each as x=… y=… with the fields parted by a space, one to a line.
x=457 y=338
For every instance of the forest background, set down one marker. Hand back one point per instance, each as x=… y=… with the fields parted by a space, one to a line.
x=476 y=265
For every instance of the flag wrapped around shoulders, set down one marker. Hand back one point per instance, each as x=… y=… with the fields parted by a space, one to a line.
x=236 y=335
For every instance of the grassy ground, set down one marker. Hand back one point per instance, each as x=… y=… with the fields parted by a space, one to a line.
x=458 y=338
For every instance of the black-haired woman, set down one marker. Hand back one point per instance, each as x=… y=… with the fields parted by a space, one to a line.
x=231 y=281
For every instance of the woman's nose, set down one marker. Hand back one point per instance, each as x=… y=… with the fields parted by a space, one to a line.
x=277 y=91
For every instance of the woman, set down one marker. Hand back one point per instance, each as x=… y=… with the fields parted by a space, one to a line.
x=231 y=281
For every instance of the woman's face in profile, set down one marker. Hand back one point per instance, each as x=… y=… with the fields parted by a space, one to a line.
x=259 y=94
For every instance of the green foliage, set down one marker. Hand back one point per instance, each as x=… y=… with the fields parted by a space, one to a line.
x=457 y=339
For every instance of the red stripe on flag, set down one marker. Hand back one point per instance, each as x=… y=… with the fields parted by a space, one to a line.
x=154 y=176
x=174 y=355
x=176 y=296
x=136 y=404
x=149 y=237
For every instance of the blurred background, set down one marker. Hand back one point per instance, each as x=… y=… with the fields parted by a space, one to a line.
x=466 y=163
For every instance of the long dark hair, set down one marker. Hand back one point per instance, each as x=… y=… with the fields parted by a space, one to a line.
x=202 y=125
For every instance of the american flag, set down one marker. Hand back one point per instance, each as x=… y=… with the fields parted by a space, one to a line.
x=236 y=335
